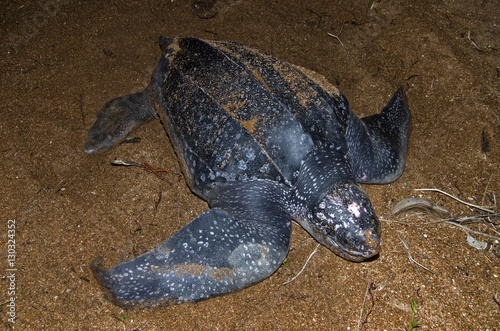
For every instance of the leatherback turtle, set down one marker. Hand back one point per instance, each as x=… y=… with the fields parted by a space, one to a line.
x=263 y=142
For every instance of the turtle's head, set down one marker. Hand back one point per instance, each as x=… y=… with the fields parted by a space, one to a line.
x=118 y=119
x=344 y=221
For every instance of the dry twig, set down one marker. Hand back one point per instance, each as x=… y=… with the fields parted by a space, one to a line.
x=411 y=259
x=457 y=199
x=305 y=264
x=371 y=286
x=337 y=36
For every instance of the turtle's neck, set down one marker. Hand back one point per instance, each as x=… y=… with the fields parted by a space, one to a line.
x=325 y=165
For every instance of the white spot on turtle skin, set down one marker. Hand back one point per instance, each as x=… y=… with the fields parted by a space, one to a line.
x=354 y=209
x=242 y=165
x=250 y=154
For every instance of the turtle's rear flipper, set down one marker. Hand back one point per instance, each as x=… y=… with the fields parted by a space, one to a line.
x=377 y=143
x=118 y=119
x=217 y=253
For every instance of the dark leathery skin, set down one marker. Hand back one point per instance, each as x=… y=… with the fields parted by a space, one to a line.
x=263 y=142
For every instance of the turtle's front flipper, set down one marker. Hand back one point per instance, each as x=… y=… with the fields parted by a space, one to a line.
x=377 y=143
x=118 y=119
x=219 y=252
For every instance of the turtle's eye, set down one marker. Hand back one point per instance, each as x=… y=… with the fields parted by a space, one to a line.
x=344 y=221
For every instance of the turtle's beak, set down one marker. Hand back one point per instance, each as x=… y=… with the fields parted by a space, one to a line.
x=360 y=246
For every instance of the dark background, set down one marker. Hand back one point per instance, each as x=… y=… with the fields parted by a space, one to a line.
x=61 y=61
